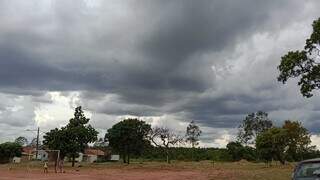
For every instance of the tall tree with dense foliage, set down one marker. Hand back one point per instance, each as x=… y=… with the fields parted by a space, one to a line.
x=164 y=138
x=298 y=139
x=252 y=126
x=128 y=137
x=304 y=64
x=271 y=144
x=80 y=132
x=73 y=138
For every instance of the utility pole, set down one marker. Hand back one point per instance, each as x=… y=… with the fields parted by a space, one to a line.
x=38 y=133
x=37 y=148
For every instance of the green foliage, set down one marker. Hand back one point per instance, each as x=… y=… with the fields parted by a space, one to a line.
x=21 y=140
x=79 y=133
x=187 y=154
x=304 y=64
x=128 y=137
x=8 y=150
x=58 y=139
x=73 y=138
x=252 y=126
x=192 y=134
x=271 y=144
x=238 y=151
x=298 y=140
x=235 y=149
x=291 y=142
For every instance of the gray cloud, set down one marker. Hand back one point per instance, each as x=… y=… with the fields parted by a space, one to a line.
x=209 y=61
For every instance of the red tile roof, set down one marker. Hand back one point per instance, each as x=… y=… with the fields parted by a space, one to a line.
x=28 y=150
x=91 y=151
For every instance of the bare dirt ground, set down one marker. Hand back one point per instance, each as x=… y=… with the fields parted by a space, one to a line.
x=151 y=170
x=110 y=174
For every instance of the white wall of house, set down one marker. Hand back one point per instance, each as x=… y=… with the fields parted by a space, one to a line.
x=16 y=160
x=92 y=158
x=115 y=157
x=42 y=155
x=80 y=158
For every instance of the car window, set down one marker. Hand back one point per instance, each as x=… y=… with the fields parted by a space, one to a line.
x=308 y=170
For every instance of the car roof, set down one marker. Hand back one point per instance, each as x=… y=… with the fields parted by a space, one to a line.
x=310 y=160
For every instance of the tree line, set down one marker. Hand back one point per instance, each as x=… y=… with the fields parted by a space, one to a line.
x=260 y=140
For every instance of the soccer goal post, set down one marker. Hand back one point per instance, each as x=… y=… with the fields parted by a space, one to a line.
x=49 y=156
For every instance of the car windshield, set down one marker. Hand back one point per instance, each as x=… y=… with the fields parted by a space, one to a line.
x=308 y=170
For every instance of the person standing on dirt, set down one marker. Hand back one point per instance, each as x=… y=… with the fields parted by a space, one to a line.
x=60 y=163
x=45 y=167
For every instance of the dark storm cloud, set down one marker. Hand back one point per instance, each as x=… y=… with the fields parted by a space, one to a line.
x=180 y=30
x=153 y=57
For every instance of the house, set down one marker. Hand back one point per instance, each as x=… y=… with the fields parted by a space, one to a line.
x=79 y=158
x=42 y=155
x=29 y=153
x=16 y=159
x=91 y=155
x=115 y=157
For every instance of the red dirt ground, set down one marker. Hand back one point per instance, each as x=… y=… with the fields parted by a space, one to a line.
x=110 y=174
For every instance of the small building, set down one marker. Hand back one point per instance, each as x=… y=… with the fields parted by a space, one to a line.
x=16 y=159
x=92 y=155
x=115 y=157
x=29 y=153
x=42 y=155
x=79 y=158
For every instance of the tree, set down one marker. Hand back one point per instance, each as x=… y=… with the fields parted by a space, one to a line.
x=58 y=139
x=298 y=140
x=272 y=144
x=252 y=126
x=192 y=134
x=304 y=64
x=164 y=139
x=238 y=151
x=235 y=149
x=9 y=150
x=21 y=140
x=128 y=137
x=80 y=133
x=33 y=142
x=73 y=138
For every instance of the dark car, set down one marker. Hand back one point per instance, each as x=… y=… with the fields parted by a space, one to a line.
x=307 y=170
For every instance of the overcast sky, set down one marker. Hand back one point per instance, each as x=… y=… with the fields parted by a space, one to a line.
x=167 y=62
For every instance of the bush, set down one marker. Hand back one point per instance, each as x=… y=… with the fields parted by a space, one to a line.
x=9 y=150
